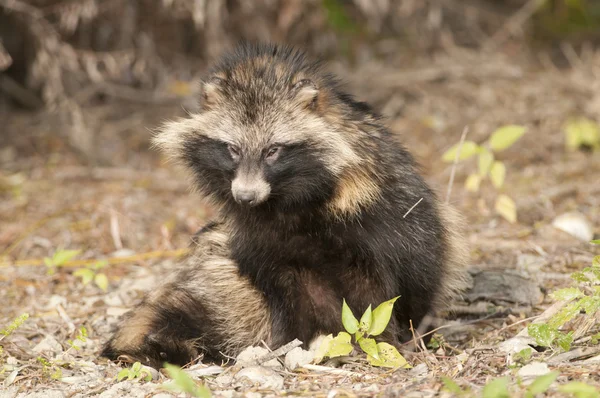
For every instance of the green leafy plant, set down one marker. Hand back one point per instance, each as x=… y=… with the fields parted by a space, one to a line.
x=580 y=389
x=81 y=336
x=49 y=369
x=58 y=259
x=371 y=323
x=14 y=325
x=584 y=297
x=182 y=382
x=541 y=384
x=488 y=166
x=91 y=273
x=497 y=388
x=135 y=372
x=582 y=132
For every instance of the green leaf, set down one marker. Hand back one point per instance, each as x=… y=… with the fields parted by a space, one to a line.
x=565 y=315
x=101 y=281
x=579 y=277
x=497 y=388
x=497 y=174
x=122 y=374
x=564 y=341
x=389 y=357
x=473 y=182
x=596 y=261
x=595 y=242
x=582 y=131
x=340 y=346
x=541 y=332
x=580 y=390
x=381 y=317
x=486 y=158
x=182 y=382
x=505 y=136
x=62 y=256
x=468 y=149
x=567 y=294
x=524 y=355
x=86 y=275
x=451 y=386
x=365 y=320
x=323 y=348
x=507 y=208
x=135 y=368
x=541 y=384
x=370 y=347
x=348 y=319
x=590 y=304
x=99 y=264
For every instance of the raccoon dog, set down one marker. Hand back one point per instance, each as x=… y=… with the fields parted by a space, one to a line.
x=314 y=196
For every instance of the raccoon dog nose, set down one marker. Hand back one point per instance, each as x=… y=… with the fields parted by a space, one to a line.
x=246 y=197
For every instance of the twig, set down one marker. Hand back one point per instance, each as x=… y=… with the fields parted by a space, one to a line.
x=411 y=209
x=451 y=182
x=280 y=351
x=65 y=318
x=335 y=371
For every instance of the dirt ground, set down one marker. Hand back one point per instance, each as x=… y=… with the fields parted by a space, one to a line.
x=136 y=211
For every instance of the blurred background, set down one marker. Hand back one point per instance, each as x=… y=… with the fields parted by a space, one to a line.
x=83 y=82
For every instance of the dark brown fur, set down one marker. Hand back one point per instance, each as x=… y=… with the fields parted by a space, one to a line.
x=313 y=194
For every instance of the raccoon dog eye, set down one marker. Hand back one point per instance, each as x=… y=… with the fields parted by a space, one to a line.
x=273 y=152
x=234 y=151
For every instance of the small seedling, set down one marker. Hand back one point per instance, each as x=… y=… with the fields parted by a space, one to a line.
x=497 y=388
x=585 y=297
x=81 y=336
x=135 y=372
x=91 y=273
x=182 y=382
x=488 y=166
x=49 y=370
x=579 y=389
x=372 y=323
x=582 y=132
x=58 y=259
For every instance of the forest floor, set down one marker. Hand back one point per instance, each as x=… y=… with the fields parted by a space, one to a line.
x=135 y=211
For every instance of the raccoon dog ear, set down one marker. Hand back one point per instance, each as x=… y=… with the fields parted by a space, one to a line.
x=212 y=91
x=305 y=92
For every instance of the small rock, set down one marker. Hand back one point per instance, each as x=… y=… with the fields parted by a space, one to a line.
x=200 y=370
x=533 y=370
x=516 y=344
x=504 y=286
x=298 y=357
x=48 y=344
x=250 y=355
x=259 y=375
x=163 y=395
x=575 y=224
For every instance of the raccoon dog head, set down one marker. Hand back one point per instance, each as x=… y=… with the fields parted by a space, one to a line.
x=272 y=131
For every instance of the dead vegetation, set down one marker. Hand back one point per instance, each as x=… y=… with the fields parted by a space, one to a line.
x=76 y=174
